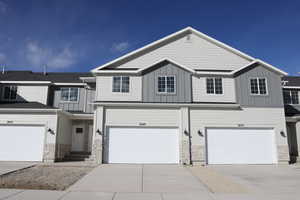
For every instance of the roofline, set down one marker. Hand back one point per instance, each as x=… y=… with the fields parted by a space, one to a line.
x=75 y=84
x=262 y=63
x=187 y=29
x=136 y=104
x=291 y=87
x=25 y=110
x=27 y=82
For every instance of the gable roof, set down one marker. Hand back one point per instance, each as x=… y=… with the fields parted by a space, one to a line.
x=291 y=81
x=175 y=35
x=182 y=32
x=39 y=77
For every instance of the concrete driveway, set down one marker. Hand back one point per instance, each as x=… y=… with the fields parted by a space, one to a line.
x=172 y=182
x=7 y=167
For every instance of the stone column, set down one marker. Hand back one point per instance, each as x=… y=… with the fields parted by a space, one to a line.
x=185 y=136
x=98 y=134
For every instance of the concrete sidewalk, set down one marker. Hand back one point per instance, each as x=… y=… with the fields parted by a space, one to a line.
x=8 y=167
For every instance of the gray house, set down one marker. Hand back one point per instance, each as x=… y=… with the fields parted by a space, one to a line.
x=186 y=98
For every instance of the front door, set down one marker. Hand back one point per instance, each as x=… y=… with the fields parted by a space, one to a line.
x=78 y=138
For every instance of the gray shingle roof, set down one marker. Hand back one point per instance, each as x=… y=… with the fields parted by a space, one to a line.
x=292 y=80
x=58 y=77
x=24 y=105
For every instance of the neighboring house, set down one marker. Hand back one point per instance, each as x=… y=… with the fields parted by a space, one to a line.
x=291 y=94
x=188 y=98
x=45 y=116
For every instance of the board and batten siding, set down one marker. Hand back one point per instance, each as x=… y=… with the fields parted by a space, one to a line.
x=183 y=90
x=85 y=97
x=274 y=98
x=191 y=51
x=104 y=89
x=200 y=93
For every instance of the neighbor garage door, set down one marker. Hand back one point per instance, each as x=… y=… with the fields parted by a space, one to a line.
x=241 y=146
x=21 y=143
x=143 y=145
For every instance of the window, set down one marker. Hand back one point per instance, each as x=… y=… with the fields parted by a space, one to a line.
x=79 y=130
x=10 y=93
x=166 y=84
x=291 y=96
x=120 y=84
x=69 y=94
x=258 y=86
x=214 y=86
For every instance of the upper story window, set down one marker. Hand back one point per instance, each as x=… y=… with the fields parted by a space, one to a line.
x=120 y=84
x=10 y=93
x=214 y=86
x=258 y=86
x=166 y=84
x=291 y=96
x=69 y=94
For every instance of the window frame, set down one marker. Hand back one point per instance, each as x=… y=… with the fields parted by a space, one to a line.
x=9 y=86
x=214 y=85
x=166 y=92
x=258 y=88
x=69 y=93
x=290 y=97
x=121 y=84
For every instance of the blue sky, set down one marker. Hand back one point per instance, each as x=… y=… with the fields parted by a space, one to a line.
x=78 y=35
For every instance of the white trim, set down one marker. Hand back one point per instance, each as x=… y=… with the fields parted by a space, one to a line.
x=200 y=105
x=63 y=101
x=187 y=30
x=291 y=87
x=25 y=110
x=166 y=92
x=88 y=79
x=262 y=63
x=26 y=82
x=258 y=88
x=70 y=84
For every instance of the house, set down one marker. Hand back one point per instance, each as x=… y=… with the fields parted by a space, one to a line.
x=40 y=112
x=186 y=98
x=291 y=93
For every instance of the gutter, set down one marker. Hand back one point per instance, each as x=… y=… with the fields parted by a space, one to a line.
x=167 y=105
x=26 y=110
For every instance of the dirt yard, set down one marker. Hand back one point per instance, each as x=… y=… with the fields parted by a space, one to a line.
x=43 y=177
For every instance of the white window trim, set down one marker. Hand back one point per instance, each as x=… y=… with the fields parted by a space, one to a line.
x=290 y=93
x=121 y=84
x=214 y=86
x=62 y=101
x=9 y=99
x=166 y=93
x=257 y=79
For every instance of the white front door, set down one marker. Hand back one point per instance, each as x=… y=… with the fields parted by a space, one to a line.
x=21 y=143
x=78 y=138
x=143 y=145
x=241 y=146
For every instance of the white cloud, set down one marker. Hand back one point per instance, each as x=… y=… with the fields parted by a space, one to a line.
x=53 y=58
x=2 y=58
x=3 y=7
x=119 y=47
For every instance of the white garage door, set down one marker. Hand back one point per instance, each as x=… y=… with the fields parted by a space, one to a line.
x=21 y=143
x=143 y=145
x=241 y=146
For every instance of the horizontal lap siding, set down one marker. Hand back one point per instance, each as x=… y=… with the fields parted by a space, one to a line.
x=183 y=85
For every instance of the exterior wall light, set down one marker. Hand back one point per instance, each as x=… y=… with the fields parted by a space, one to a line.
x=282 y=134
x=51 y=131
x=98 y=131
x=186 y=133
x=200 y=133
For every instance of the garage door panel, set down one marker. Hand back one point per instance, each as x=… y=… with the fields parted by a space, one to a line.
x=241 y=146
x=143 y=145
x=21 y=143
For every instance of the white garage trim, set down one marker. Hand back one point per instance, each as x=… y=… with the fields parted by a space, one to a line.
x=21 y=142
x=142 y=145
x=240 y=146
